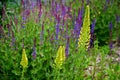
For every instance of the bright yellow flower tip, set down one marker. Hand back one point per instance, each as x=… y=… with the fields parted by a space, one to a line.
x=24 y=60
x=60 y=57
x=84 y=38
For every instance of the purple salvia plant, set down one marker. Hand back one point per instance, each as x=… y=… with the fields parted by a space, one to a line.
x=57 y=26
x=67 y=47
x=117 y=18
x=77 y=26
x=40 y=10
x=92 y=33
x=63 y=11
x=57 y=7
x=34 y=50
x=57 y=30
x=34 y=54
x=53 y=5
x=93 y=26
x=23 y=3
x=110 y=41
x=110 y=25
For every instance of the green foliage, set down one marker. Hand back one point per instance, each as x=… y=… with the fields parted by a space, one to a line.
x=94 y=64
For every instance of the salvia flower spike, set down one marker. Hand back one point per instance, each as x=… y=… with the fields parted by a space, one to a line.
x=60 y=57
x=84 y=37
x=24 y=60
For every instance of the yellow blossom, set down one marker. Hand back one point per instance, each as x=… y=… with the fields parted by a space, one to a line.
x=60 y=57
x=24 y=60
x=84 y=38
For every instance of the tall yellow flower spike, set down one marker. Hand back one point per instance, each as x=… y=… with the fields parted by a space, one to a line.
x=60 y=58
x=24 y=60
x=84 y=37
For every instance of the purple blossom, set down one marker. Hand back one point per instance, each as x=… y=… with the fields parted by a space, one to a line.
x=23 y=3
x=110 y=28
x=34 y=53
x=92 y=33
x=93 y=26
x=40 y=10
x=57 y=7
x=32 y=5
x=53 y=3
x=63 y=10
x=110 y=25
x=80 y=15
x=67 y=47
x=117 y=18
x=57 y=30
x=111 y=45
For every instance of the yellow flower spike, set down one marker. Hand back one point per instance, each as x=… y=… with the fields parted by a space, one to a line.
x=84 y=38
x=24 y=60
x=60 y=57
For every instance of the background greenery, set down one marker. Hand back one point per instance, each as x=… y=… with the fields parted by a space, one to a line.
x=80 y=65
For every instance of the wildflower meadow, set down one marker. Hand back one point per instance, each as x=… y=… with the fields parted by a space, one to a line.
x=59 y=39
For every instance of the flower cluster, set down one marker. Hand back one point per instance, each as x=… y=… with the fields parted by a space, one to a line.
x=84 y=38
x=60 y=57
x=24 y=60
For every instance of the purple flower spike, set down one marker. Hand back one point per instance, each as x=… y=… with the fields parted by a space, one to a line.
x=111 y=45
x=53 y=3
x=110 y=26
x=117 y=18
x=57 y=30
x=93 y=26
x=67 y=47
x=40 y=10
x=63 y=11
x=57 y=7
x=110 y=41
x=34 y=53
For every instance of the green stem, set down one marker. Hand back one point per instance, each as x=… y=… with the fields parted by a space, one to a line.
x=22 y=77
